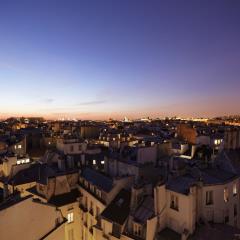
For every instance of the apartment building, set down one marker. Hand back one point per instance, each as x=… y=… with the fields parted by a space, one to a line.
x=19 y=221
x=96 y=192
x=208 y=195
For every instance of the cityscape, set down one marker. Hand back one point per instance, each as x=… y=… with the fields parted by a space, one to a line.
x=120 y=120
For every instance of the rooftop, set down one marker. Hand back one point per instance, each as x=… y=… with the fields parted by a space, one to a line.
x=119 y=209
x=64 y=199
x=98 y=179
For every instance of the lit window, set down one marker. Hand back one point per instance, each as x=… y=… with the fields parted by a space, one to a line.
x=209 y=197
x=19 y=146
x=27 y=160
x=225 y=195
x=102 y=162
x=94 y=162
x=174 y=202
x=70 y=217
x=18 y=162
x=234 y=189
x=49 y=143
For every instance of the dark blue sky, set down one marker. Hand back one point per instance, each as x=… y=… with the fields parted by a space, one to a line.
x=100 y=59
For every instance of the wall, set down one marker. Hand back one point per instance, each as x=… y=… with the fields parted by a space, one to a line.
x=28 y=220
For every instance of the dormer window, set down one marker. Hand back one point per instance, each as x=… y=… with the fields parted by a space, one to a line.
x=137 y=229
x=86 y=183
x=98 y=192
x=22 y=161
x=225 y=195
x=209 y=197
x=174 y=202
x=234 y=189
x=70 y=217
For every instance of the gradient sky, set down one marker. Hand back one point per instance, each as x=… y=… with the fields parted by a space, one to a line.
x=100 y=59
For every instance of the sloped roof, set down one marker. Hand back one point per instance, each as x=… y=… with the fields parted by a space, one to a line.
x=98 y=179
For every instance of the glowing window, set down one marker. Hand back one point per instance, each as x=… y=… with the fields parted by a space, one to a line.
x=94 y=162
x=19 y=146
x=225 y=195
x=70 y=217
x=234 y=189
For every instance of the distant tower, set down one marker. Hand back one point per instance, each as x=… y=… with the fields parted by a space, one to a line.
x=126 y=119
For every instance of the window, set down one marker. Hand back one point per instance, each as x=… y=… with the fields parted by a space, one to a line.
x=71 y=148
x=137 y=229
x=235 y=210
x=98 y=193
x=97 y=211
x=70 y=217
x=226 y=218
x=217 y=141
x=102 y=162
x=18 y=162
x=92 y=188
x=209 y=197
x=174 y=202
x=234 y=189
x=19 y=146
x=91 y=207
x=79 y=147
x=225 y=195
x=94 y=162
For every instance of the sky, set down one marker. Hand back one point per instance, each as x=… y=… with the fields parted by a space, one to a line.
x=110 y=59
